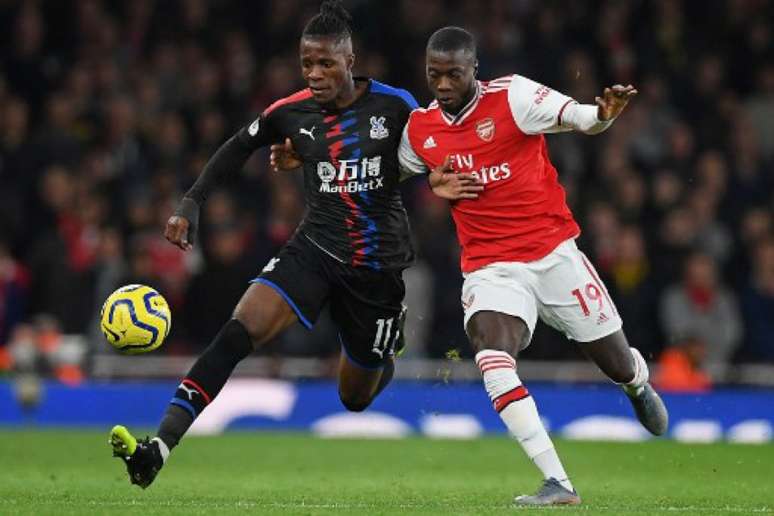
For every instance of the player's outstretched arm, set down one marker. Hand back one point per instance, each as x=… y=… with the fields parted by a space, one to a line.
x=593 y=119
x=448 y=184
x=539 y=109
x=182 y=226
x=284 y=157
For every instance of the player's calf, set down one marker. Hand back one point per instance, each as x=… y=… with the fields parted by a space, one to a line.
x=204 y=381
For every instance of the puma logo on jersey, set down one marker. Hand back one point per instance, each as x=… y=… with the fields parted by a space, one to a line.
x=189 y=391
x=308 y=132
x=429 y=143
x=270 y=266
x=253 y=129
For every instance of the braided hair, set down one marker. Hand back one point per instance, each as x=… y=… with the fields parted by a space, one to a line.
x=333 y=20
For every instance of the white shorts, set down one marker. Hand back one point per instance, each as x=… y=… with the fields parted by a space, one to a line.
x=563 y=289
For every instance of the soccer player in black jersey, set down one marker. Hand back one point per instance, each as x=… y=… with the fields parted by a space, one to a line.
x=349 y=250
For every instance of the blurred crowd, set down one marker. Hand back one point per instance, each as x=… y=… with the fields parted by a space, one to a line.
x=110 y=109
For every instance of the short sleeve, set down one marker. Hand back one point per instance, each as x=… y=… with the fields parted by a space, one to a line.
x=410 y=162
x=536 y=108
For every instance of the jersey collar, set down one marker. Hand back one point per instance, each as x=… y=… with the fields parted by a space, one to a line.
x=465 y=111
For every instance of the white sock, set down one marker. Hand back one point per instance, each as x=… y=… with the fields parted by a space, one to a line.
x=163 y=449
x=641 y=374
x=518 y=411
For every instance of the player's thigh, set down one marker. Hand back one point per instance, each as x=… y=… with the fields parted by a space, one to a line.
x=366 y=307
x=572 y=297
x=500 y=308
x=292 y=287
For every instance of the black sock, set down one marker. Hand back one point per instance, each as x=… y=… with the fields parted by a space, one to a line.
x=204 y=381
x=387 y=372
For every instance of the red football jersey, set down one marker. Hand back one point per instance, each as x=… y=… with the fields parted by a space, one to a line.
x=521 y=215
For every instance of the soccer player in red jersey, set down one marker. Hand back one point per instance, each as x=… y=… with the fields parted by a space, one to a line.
x=519 y=257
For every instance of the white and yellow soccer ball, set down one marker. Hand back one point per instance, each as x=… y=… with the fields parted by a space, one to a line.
x=135 y=319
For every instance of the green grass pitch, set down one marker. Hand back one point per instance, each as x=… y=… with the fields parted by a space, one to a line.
x=72 y=473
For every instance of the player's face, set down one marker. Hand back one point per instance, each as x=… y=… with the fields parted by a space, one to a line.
x=326 y=66
x=451 y=77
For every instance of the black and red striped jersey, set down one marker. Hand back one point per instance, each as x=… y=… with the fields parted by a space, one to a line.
x=351 y=171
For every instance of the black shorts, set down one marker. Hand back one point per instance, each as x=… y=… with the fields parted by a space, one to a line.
x=365 y=303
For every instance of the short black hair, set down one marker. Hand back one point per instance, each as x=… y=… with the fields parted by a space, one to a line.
x=333 y=20
x=450 y=39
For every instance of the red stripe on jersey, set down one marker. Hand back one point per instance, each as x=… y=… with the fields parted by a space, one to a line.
x=198 y=387
x=561 y=111
x=296 y=97
x=599 y=283
x=496 y=86
x=507 y=78
x=519 y=393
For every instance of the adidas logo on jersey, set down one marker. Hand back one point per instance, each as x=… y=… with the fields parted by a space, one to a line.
x=602 y=318
x=429 y=143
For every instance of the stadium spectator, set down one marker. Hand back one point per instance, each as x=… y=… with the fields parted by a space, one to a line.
x=633 y=287
x=701 y=307
x=679 y=368
x=758 y=304
x=14 y=291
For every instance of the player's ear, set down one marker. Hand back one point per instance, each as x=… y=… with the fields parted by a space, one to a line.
x=475 y=68
x=350 y=61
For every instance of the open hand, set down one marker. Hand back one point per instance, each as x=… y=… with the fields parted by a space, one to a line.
x=448 y=184
x=284 y=157
x=613 y=101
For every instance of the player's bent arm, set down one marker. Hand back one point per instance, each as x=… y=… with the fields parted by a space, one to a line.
x=538 y=109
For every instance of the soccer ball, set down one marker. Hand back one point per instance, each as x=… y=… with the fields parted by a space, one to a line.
x=135 y=319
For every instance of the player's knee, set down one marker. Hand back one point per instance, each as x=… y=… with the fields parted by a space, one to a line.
x=354 y=403
x=263 y=313
x=499 y=332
